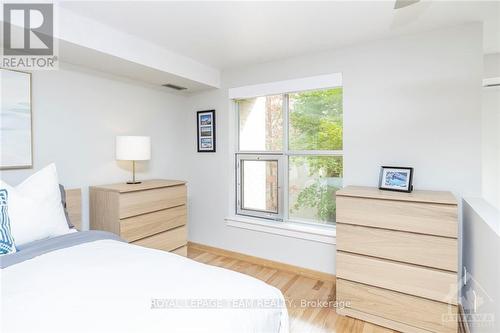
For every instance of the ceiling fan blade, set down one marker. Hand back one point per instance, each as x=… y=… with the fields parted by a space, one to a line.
x=404 y=3
x=405 y=17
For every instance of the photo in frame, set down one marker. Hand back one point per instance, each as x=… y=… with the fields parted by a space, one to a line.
x=396 y=179
x=206 y=131
x=15 y=120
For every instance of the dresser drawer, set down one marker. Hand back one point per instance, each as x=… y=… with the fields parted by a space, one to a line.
x=415 y=311
x=425 y=250
x=167 y=240
x=410 y=279
x=140 y=202
x=141 y=226
x=425 y=218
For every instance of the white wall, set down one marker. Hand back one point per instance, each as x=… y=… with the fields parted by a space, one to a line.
x=411 y=101
x=76 y=115
x=490 y=133
x=491 y=65
x=481 y=258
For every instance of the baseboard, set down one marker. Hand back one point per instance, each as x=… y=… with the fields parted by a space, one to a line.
x=462 y=322
x=264 y=262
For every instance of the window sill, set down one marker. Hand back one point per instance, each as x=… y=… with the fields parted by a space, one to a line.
x=318 y=234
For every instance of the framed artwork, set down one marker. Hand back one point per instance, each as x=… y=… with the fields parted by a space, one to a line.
x=15 y=120
x=396 y=179
x=206 y=131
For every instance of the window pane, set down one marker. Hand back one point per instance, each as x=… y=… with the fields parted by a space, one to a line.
x=259 y=185
x=261 y=123
x=313 y=181
x=316 y=120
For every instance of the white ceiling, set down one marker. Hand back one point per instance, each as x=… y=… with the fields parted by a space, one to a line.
x=232 y=34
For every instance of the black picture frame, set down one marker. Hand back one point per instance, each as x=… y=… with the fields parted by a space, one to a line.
x=407 y=188
x=205 y=129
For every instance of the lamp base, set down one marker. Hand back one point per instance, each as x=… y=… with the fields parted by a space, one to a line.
x=133 y=181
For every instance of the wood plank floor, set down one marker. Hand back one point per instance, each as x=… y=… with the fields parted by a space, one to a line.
x=295 y=288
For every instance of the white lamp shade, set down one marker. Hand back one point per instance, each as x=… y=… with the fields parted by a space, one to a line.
x=133 y=148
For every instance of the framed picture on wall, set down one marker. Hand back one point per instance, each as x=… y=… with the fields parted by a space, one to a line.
x=206 y=131
x=396 y=179
x=15 y=120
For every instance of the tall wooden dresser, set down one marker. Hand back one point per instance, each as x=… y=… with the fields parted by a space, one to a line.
x=397 y=258
x=152 y=213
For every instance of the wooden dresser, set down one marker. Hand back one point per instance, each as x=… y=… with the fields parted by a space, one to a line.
x=151 y=214
x=397 y=258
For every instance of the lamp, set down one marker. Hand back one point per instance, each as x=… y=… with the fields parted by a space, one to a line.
x=133 y=148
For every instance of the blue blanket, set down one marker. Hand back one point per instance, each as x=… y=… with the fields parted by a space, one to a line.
x=39 y=247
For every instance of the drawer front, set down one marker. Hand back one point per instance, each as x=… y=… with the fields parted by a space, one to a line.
x=141 y=226
x=425 y=250
x=425 y=218
x=415 y=311
x=167 y=240
x=182 y=251
x=140 y=202
x=409 y=279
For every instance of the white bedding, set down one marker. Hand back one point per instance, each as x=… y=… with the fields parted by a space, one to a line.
x=109 y=286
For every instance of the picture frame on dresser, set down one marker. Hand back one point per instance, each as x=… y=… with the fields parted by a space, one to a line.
x=399 y=179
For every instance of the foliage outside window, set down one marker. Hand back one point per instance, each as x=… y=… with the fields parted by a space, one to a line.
x=305 y=129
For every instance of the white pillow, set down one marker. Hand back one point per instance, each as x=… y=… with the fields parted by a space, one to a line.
x=35 y=208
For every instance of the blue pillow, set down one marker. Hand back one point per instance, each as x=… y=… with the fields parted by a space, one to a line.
x=6 y=241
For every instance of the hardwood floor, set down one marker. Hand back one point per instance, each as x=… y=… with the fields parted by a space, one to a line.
x=296 y=289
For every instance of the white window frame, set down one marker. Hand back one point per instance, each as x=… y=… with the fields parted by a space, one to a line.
x=240 y=210
x=285 y=154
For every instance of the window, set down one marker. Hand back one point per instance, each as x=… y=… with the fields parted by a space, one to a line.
x=261 y=182
x=289 y=159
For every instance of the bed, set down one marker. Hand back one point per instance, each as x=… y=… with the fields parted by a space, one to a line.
x=91 y=281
